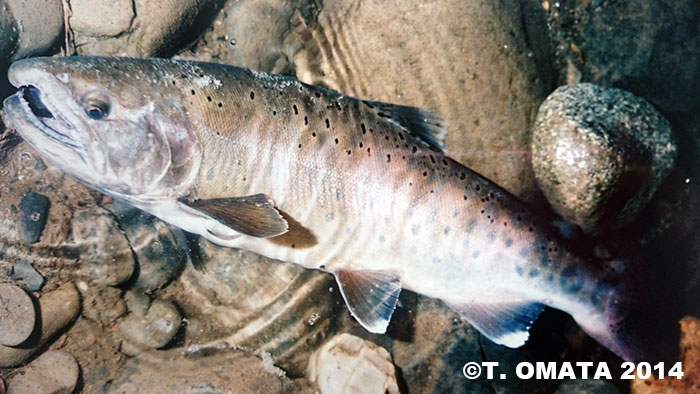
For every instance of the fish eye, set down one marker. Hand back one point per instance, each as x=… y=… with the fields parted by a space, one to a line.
x=96 y=107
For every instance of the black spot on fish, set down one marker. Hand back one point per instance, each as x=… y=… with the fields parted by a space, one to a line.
x=252 y=95
x=313 y=134
x=274 y=113
x=220 y=104
x=192 y=91
x=306 y=120
x=368 y=152
x=299 y=146
x=414 y=149
x=364 y=128
x=388 y=158
x=349 y=151
x=328 y=123
x=296 y=111
x=336 y=141
x=360 y=144
x=425 y=173
x=317 y=94
x=209 y=98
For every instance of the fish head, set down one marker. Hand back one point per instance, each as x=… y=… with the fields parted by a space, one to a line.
x=113 y=123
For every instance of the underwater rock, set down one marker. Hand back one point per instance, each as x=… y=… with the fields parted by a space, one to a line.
x=139 y=28
x=101 y=18
x=198 y=369
x=56 y=310
x=29 y=27
x=106 y=257
x=54 y=372
x=587 y=386
x=160 y=249
x=149 y=329
x=469 y=61
x=250 y=34
x=348 y=364
x=690 y=356
x=599 y=155
x=26 y=276
x=32 y=209
x=17 y=315
x=102 y=304
x=651 y=48
x=247 y=300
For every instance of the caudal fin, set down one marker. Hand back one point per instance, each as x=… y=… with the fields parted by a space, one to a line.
x=635 y=323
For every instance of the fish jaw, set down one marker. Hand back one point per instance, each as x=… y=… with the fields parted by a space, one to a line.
x=45 y=124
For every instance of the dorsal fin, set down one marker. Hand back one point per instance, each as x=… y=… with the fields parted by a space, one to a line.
x=425 y=125
x=371 y=296
x=504 y=323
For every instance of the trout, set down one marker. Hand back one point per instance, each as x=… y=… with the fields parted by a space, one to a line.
x=303 y=174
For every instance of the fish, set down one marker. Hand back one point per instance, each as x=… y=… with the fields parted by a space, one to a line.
x=360 y=189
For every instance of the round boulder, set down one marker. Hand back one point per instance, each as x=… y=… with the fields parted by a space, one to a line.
x=599 y=154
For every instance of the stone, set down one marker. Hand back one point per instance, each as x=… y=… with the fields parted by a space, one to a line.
x=651 y=48
x=17 y=315
x=8 y=33
x=141 y=28
x=587 y=386
x=599 y=154
x=151 y=330
x=247 y=300
x=690 y=358
x=33 y=209
x=39 y=24
x=102 y=304
x=57 y=309
x=160 y=249
x=250 y=34
x=54 y=372
x=348 y=364
x=107 y=258
x=201 y=369
x=88 y=17
x=24 y=275
x=469 y=61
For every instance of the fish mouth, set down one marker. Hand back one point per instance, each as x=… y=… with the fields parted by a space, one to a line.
x=38 y=113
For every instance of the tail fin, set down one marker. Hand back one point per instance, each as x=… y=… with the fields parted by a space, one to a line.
x=635 y=323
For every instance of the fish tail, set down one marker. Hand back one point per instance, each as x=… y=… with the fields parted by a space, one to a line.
x=630 y=321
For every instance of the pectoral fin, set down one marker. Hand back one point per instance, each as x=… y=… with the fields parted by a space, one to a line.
x=504 y=323
x=251 y=215
x=371 y=296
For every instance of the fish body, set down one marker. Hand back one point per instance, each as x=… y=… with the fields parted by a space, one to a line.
x=303 y=174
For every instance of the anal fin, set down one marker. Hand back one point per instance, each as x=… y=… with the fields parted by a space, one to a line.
x=371 y=296
x=251 y=215
x=504 y=323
